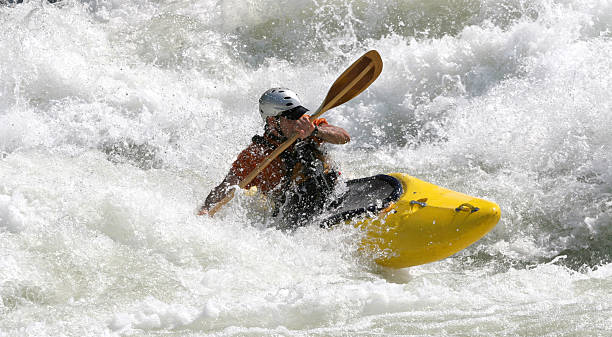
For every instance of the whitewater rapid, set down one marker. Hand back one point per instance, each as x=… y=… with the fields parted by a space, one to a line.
x=118 y=117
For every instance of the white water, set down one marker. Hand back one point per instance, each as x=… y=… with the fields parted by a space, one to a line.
x=118 y=117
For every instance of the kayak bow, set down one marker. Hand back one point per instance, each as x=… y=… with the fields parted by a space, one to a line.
x=411 y=222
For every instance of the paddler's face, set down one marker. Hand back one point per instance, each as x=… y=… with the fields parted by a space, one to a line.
x=287 y=126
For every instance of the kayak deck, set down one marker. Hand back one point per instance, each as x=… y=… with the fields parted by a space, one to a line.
x=409 y=221
x=364 y=195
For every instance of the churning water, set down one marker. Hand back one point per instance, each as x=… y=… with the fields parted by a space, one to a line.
x=118 y=117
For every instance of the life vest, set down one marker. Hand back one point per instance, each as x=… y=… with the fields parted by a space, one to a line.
x=309 y=179
x=297 y=181
x=303 y=161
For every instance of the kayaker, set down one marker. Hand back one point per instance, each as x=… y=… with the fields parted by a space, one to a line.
x=297 y=181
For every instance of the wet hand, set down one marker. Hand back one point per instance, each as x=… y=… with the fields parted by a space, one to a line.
x=304 y=127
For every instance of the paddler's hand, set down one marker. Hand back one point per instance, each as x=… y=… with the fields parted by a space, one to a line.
x=203 y=211
x=304 y=127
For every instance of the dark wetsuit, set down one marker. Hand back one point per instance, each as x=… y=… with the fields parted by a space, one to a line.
x=310 y=180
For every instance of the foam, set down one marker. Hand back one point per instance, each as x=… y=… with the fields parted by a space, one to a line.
x=117 y=118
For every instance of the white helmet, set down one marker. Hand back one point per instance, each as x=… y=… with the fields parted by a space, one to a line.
x=280 y=102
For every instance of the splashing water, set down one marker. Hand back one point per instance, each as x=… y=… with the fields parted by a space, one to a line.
x=117 y=118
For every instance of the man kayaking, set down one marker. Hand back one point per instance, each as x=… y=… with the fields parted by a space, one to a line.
x=298 y=180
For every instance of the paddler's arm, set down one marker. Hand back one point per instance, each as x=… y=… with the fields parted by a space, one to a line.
x=219 y=193
x=332 y=134
x=324 y=131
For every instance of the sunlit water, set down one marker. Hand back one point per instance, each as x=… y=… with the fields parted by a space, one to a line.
x=118 y=117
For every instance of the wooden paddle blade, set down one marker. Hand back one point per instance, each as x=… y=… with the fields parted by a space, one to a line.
x=344 y=90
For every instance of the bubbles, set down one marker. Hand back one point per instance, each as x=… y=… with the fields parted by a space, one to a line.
x=117 y=118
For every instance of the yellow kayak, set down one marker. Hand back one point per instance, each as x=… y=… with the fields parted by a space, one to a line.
x=411 y=222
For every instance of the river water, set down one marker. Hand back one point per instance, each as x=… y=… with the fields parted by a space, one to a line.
x=118 y=117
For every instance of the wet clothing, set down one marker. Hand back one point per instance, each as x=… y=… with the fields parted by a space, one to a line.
x=298 y=180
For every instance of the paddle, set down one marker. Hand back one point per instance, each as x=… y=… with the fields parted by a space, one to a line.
x=351 y=83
